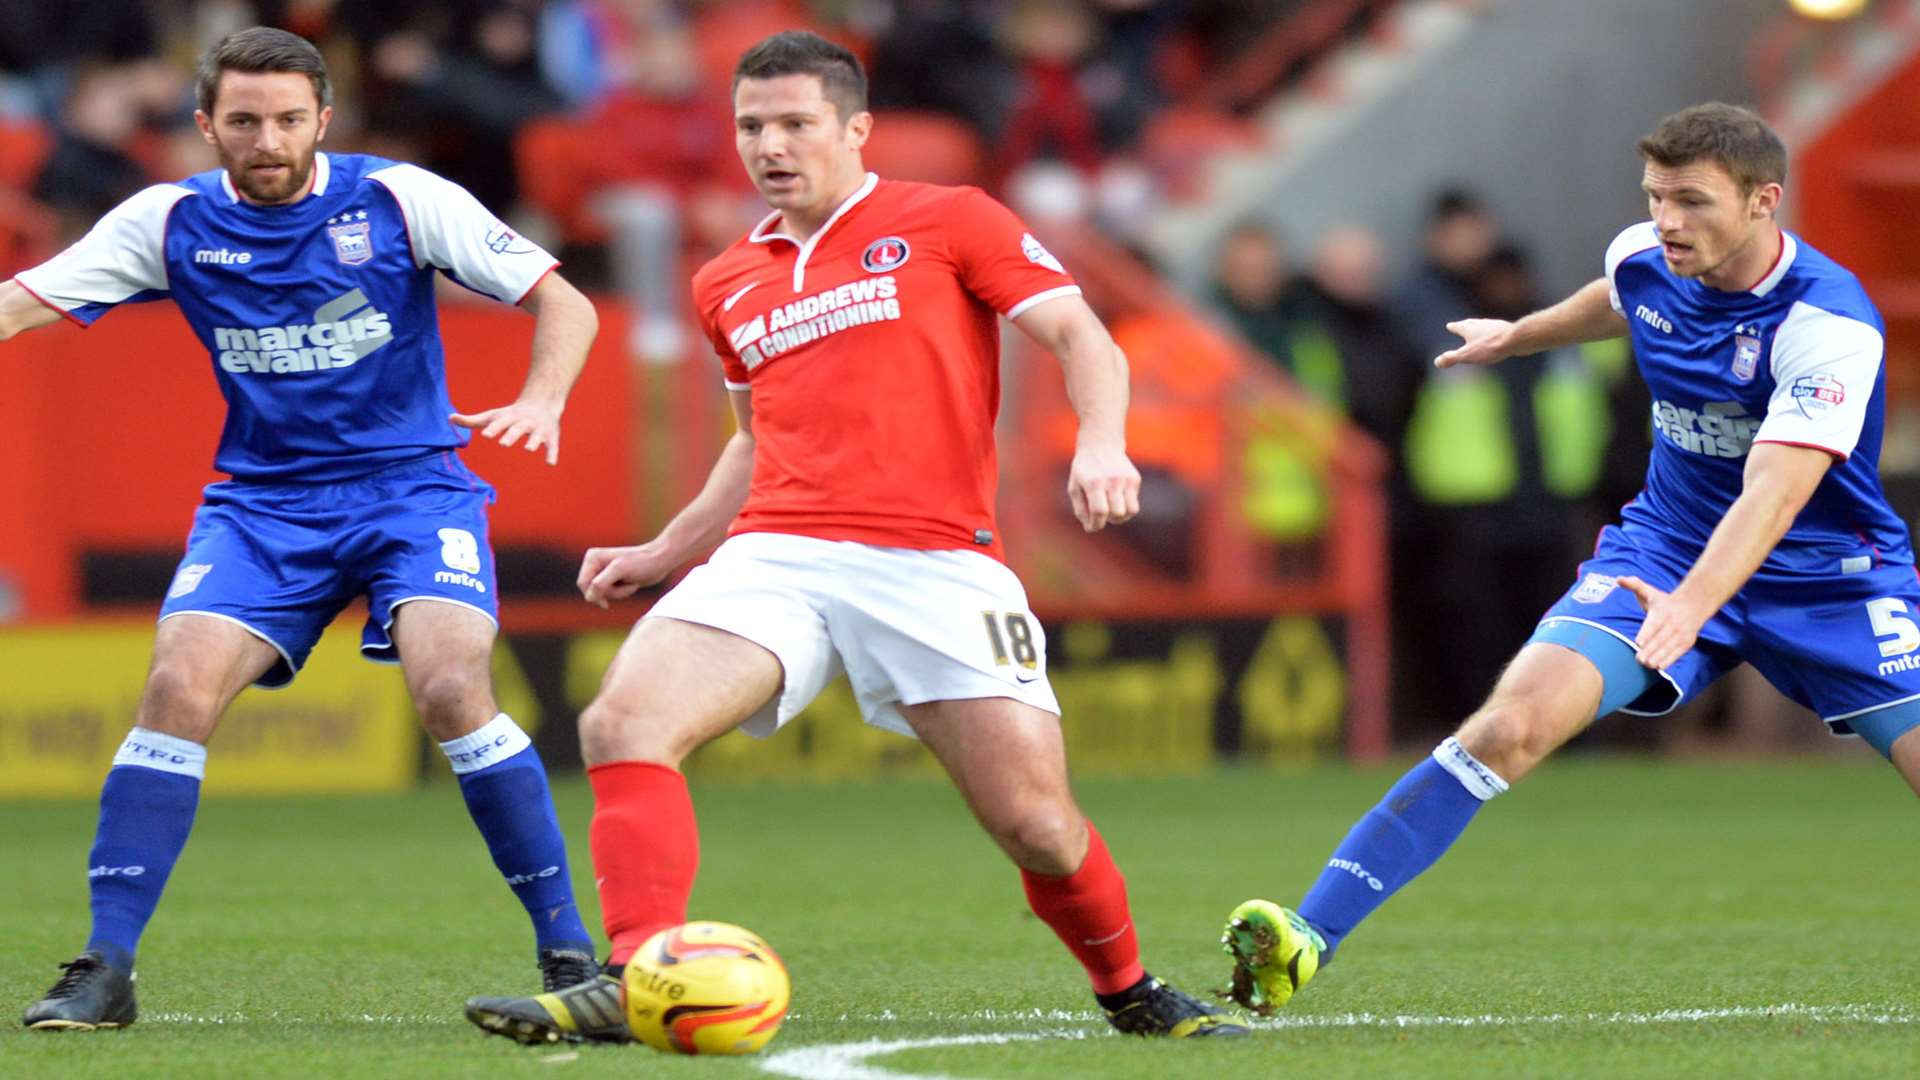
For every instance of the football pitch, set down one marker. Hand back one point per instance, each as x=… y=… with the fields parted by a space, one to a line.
x=1610 y=917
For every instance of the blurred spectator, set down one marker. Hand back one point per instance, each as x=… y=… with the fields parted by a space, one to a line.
x=1496 y=457
x=1343 y=300
x=89 y=170
x=1459 y=236
x=1051 y=115
x=47 y=43
x=1072 y=99
x=1253 y=287
x=1331 y=332
x=463 y=89
x=972 y=79
x=632 y=166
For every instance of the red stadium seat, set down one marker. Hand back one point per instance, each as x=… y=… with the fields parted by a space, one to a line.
x=23 y=147
x=555 y=159
x=926 y=147
x=722 y=32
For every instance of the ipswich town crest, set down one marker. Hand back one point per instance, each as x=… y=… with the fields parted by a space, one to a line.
x=1746 y=352
x=352 y=237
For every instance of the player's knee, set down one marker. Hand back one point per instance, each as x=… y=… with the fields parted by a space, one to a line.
x=1509 y=737
x=610 y=731
x=179 y=701
x=453 y=703
x=1043 y=839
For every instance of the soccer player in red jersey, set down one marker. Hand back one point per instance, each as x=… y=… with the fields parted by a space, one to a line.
x=858 y=329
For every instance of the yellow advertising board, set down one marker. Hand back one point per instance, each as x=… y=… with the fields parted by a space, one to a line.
x=68 y=696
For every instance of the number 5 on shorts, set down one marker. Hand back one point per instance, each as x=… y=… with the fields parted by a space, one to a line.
x=1020 y=633
x=1890 y=621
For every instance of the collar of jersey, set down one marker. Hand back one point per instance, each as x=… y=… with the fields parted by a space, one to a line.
x=1788 y=249
x=759 y=235
x=322 y=171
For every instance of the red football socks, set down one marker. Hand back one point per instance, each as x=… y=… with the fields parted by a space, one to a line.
x=1088 y=910
x=646 y=848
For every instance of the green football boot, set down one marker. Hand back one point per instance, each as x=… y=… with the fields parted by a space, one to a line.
x=1274 y=951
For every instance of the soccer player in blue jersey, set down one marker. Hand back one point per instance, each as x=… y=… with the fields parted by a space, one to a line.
x=1761 y=535
x=309 y=278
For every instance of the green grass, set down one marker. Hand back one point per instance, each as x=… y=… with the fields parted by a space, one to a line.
x=339 y=937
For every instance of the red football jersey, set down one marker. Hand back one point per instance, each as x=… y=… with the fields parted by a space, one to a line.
x=873 y=354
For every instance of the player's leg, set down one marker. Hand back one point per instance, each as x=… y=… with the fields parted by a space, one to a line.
x=446 y=651
x=1548 y=694
x=1579 y=664
x=673 y=687
x=1905 y=752
x=147 y=805
x=1895 y=732
x=1009 y=761
x=413 y=537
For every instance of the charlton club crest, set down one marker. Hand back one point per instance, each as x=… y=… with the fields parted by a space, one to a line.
x=884 y=254
x=352 y=237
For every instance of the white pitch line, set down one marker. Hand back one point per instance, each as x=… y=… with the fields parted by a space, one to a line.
x=277 y=1017
x=1858 y=1014
x=850 y=1061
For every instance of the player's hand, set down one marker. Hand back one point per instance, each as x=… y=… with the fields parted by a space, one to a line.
x=538 y=424
x=1485 y=341
x=1671 y=627
x=1103 y=486
x=618 y=572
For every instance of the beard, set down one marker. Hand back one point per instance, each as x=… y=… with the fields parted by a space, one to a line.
x=265 y=190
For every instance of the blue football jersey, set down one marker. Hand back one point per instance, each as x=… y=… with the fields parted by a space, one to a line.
x=1796 y=359
x=318 y=315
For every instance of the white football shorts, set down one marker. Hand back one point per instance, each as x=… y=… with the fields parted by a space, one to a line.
x=907 y=626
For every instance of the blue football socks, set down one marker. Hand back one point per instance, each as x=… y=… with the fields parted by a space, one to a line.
x=1411 y=828
x=505 y=786
x=146 y=812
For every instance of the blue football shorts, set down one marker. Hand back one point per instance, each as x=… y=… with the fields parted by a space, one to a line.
x=282 y=560
x=1841 y=644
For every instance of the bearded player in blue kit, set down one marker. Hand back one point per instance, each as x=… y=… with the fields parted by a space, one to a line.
x=309 y=279
x=1761 y=535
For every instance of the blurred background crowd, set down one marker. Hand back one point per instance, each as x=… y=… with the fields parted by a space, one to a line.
x=1268 y=349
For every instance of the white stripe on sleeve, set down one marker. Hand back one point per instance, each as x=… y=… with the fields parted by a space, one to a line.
x=121 y=256
x=451 y=231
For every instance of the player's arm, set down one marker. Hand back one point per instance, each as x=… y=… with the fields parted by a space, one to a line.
x=1587 y=315
x=1102 y=484
x=20 y=310
x=563 y=329
x=1780 y=478
x=617 y=573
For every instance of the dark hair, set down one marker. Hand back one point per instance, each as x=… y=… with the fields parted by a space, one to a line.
x=1737 y=138
x=1508 y=258
x=1452 y=202
x=799 y=52
x=256 y=50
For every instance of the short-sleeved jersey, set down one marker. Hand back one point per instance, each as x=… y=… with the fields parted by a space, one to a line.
x=318 y=315
x=1797 y=359
x=873 y=354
